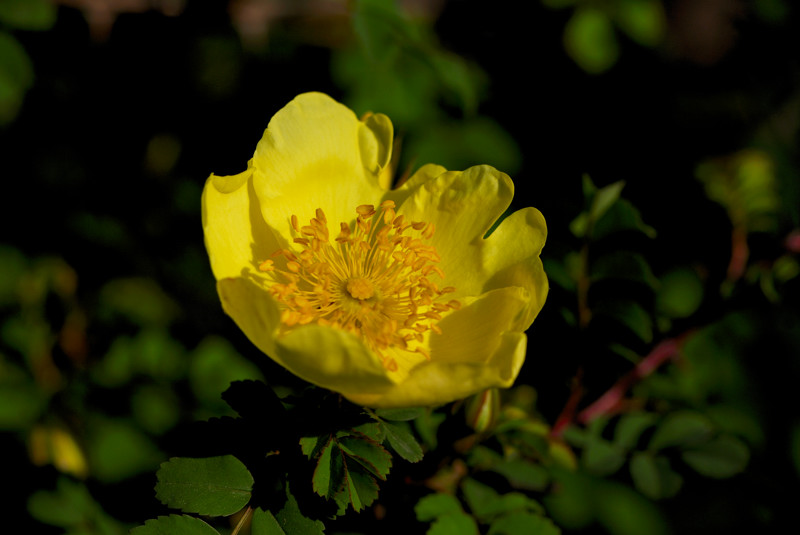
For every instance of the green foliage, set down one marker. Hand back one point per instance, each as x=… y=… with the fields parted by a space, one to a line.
x=590 y=36
x=215 y=486
x=175 y=525
x=71 y=507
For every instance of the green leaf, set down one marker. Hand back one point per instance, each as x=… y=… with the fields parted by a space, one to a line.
x=28 y=14
x=623 y=511
x=264 y=523
x=454 y=524
x=683 y=428
x=653 y=476
x=174 y=525
x=118 y=450
x=16 y=76
x=321 y=480
x=292 y=521
x=601 y=457
x=403 y=442
x=521 y=523
x=590 y=41
x=680 y=293
x=523 y=474
x=643 y=20
x=69 y=505
x=722 y=457
x=212 y=486
x=435 y=505
x=623 y=265
x=631 y=315
x=621 y=216
x=400 y=414
x=630 y=427
x=369 y=454
x=486 y=504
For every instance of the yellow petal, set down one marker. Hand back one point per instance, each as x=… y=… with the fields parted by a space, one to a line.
x=463 y=206
x=471 y=333
x=254 y=311
x=511 y=257
x=333 y=359
x=314 y=154
x=236 y=236
x=436 y=383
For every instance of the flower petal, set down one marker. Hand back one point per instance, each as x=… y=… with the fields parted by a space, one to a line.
x=463 y=206
x=436 y=383
x=333 y=359
x=236 y=235
x=314 y=154
x=511 y=256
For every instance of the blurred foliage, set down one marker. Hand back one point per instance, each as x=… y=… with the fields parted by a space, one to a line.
x=654 y=396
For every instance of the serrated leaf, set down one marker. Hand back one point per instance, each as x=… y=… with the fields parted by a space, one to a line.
x=291 y=519
x=435 y=505
x=653 y=476
x=684 y=428
x=369 y=454
x=521 y=523
x=174 y=525
x=310 y=446
x=364 y=485
x=321 y=480
x=265 y=523
x=400 y=414
x=723 y=457
x=212 y=486
x=403 y=442
x=373 y=430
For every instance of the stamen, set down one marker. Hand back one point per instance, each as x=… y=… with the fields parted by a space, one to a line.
x=372 y=281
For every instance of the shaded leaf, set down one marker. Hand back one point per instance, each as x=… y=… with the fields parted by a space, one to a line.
x=521 y=523
x=454 y=524
x=369 y=454
x=174 y=525
x=630 y=427
x=435 y=505
x=623 y=265
x=291 y=519
x=486 y=504
x=28 y=14
x=523 y=474
x=684 y=428
x=653 y=476
x=400 y=414
x=213 y=486
x=722 y=457
x=265 y=523
x=403 y=442
x=590 y=41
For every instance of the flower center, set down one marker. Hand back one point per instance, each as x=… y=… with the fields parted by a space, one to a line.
x=373 y=281
x=360 y=288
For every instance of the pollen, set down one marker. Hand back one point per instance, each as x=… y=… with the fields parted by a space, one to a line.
x=375 y=279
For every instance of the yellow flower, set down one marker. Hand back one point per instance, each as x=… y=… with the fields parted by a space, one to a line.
x=393 y=298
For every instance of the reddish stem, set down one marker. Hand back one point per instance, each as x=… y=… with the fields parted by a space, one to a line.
x=609 y=402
